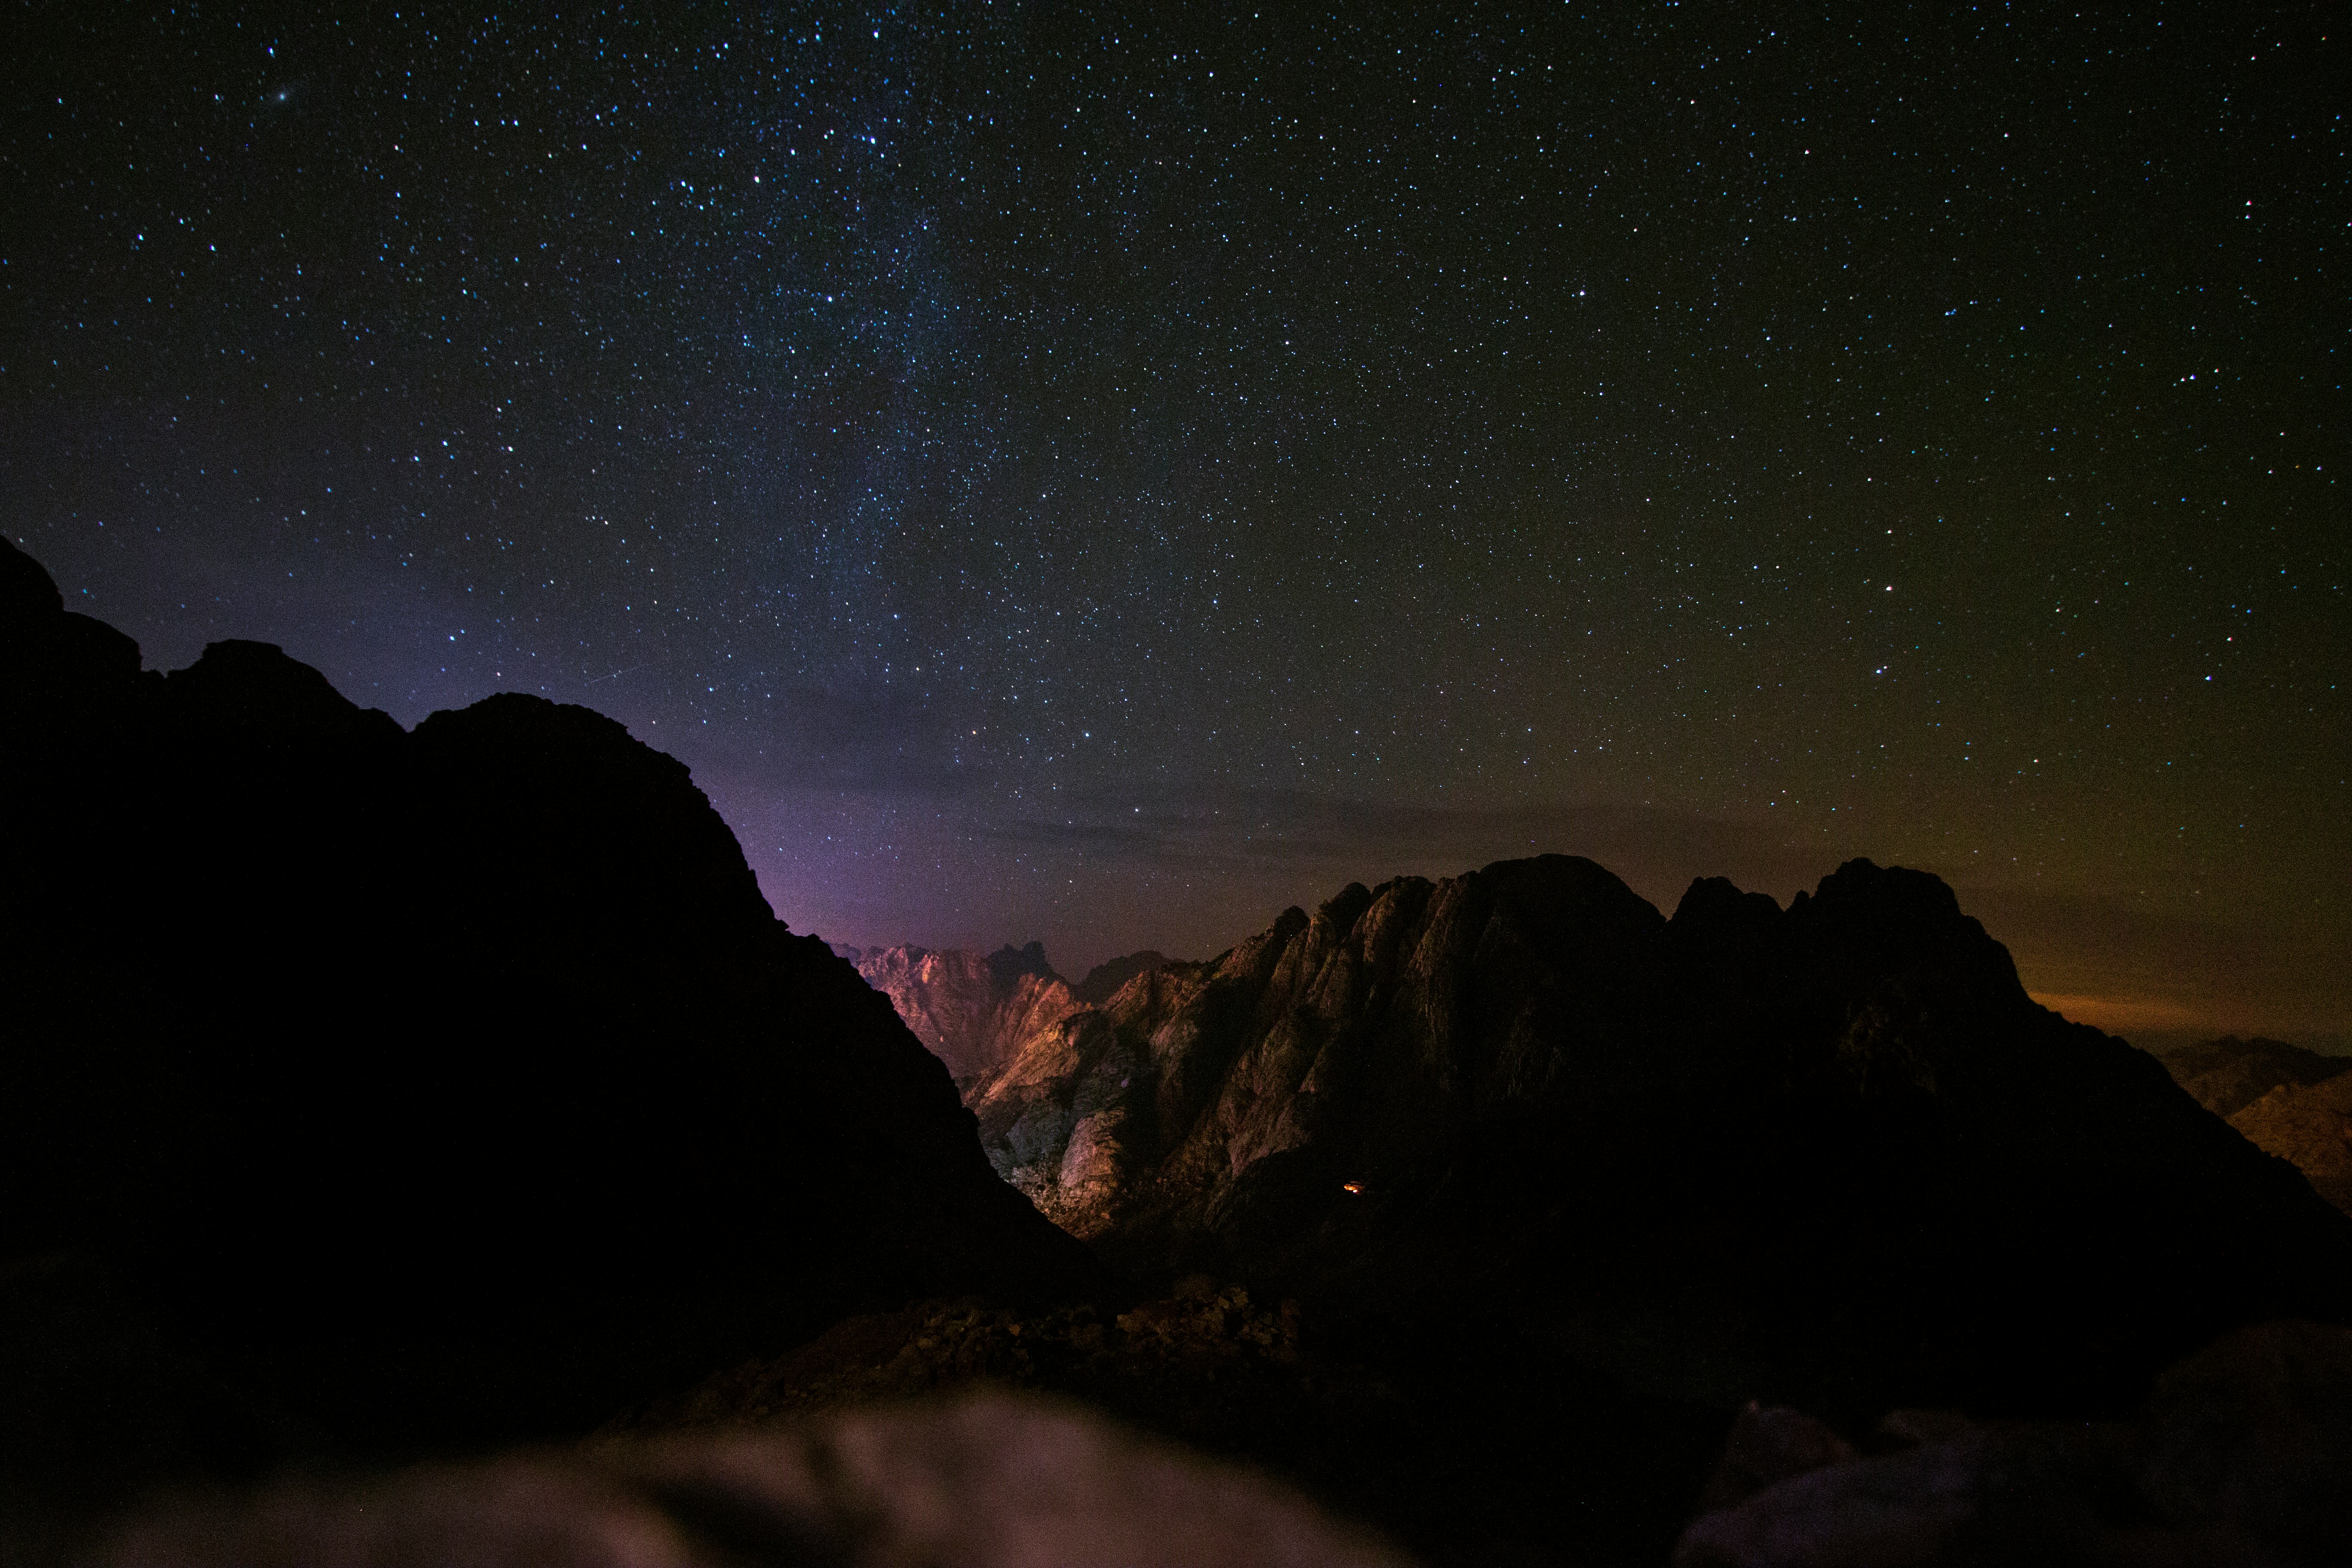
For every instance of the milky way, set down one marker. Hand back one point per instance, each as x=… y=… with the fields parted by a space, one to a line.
x=1066 y=473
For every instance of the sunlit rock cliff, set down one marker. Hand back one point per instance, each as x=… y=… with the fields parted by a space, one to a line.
x=972 y=1010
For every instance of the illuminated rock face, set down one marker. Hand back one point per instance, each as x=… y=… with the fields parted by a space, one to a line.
x=972 y=1010
x=2309 y=1125
x=2294 y=1103
x=1832 y=1150
x=442 y=1085
x=2227 y=1075
x=977 y=1012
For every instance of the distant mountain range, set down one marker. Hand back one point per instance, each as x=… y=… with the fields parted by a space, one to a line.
x=2294 y=1103
x=2229 y=1074
x=2311 y=1126
x=1831 y=1149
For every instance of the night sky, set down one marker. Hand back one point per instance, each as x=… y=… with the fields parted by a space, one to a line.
x=1104 y=475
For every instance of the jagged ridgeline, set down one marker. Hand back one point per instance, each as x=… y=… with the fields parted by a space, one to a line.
x=971 y=1011
x=1830 y=1154
x=443 y=1085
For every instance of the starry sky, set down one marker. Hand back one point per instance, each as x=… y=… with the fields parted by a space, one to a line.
x=1102 y=474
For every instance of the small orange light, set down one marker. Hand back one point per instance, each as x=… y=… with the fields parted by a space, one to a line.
x=1351 y=1186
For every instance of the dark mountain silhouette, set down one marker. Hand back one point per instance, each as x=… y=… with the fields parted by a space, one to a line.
x=432 y=1088
x=1107 y=979
x=1009 y=964
x=1830 y=1154
x=2229 y=1074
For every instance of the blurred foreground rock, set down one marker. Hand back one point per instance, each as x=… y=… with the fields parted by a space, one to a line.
x=990 y=1481
x=2243 y=1456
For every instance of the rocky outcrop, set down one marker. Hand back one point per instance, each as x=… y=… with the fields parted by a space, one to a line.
x=973 y=1011
x=2310 y=1126
x=2241 y=1457
x=1832 y=1151
x=439 y=1086
x=2227 y=1075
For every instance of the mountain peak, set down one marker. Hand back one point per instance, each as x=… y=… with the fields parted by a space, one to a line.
x=432 y=1086
x=1008 y=963
x=256 y=693
x=1515 y=1090
x=26 y=589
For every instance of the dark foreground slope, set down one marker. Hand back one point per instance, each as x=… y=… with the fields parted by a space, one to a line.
x=1831 y=1154
x=421 y=1088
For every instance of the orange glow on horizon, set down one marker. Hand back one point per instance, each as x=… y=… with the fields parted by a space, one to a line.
x=2126 y=1014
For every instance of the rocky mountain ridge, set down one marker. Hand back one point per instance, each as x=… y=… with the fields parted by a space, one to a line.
x=2229 y=1074
x=419 y=1087
x=975 y=1011
x=1107 y=979
x=972 y=1010
x=2310 y=1126
x=1832 y=1150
